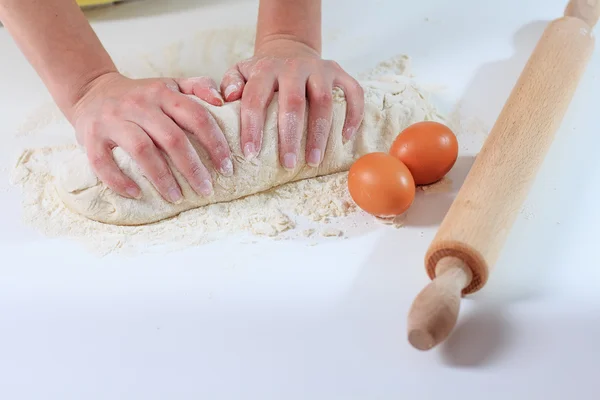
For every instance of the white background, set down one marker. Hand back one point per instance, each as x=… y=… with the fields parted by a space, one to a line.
x=329 y=321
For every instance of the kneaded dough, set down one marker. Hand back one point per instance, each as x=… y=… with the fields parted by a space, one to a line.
x=391 y=104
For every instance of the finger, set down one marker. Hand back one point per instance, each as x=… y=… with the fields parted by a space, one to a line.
x=202 y=87
x=174 y=142
x=195 y=119
x=100 y=156
x=136 y=142
x=256 y=97
x=232 y=84
x=320 y=114
x=355 y=104
x=292 y=107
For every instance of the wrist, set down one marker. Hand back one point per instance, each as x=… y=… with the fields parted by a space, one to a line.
x=282 y=40
x=295 y=20
x=82 y=89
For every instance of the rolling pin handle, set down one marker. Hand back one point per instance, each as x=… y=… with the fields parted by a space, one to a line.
x=586 y=10
x=434 y=311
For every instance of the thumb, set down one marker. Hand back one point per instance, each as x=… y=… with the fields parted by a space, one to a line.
x=232 y=84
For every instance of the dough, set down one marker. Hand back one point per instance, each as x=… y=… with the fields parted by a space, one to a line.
x=391 y=104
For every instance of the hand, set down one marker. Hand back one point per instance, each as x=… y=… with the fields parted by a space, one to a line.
x=145 y=116
x=297 y=72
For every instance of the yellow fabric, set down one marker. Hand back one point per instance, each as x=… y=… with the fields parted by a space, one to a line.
x=86 y=3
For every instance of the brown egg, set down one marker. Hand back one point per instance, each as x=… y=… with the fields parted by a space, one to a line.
x=381 y=185
x=429 y=150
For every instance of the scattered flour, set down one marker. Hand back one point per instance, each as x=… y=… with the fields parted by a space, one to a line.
x=298 y=211
x=397 y=221
x=308 y=232
x=331 y=232
x=398 y=65
x=276 y=213
x=442 y=186
x=470 y=130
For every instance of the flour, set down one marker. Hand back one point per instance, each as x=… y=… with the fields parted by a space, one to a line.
x=444 y=185
x=397 y=65
x=301 y=211
x=275 y=214
x=470 y=130
x=331 y=232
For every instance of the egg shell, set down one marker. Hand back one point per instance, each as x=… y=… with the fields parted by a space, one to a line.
x=381 y=185
x=429 y=149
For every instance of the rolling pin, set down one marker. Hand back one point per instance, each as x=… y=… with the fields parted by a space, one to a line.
x=470 y=238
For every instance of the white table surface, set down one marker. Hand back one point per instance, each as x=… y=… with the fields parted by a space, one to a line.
x=283 y=320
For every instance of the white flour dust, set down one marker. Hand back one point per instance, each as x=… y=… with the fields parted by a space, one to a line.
x=311 y=204
x=311 y=210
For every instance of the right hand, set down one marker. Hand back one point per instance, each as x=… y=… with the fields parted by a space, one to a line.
x=143 y=116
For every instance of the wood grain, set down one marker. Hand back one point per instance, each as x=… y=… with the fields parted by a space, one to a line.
x=481 y=217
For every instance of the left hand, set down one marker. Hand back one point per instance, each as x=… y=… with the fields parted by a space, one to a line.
x=297 y=72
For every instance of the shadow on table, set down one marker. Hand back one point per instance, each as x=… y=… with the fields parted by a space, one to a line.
x=477 y=340
x=492 y=83
x=480 y=337
x=430 y=208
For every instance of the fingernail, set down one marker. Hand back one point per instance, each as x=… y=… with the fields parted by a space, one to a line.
x=289 y=161
x=206 y=188
x=227 y=167
x=134 y=192
x=175 y=195
x=314 y=158
x=230 y=89
x=217 y=95
x=249 y=151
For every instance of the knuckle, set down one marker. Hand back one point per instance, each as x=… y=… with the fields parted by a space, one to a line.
x=293 y=63
x=157 y=87
x=255 y=102
x=323 y=97
x=333 y=65
x=141 y=148
x=356 y=87
x=231 y=74
x=244 y=66
x=201 y=82
x=199 y=118
x=196 y=169
x=164 y=177
x=174 y=140
x=220 y=150
x=295 y=100
x=172 y=86
x=263 y=63
x=97 y=161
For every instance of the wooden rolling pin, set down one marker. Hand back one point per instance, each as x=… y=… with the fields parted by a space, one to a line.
x=475 y=228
